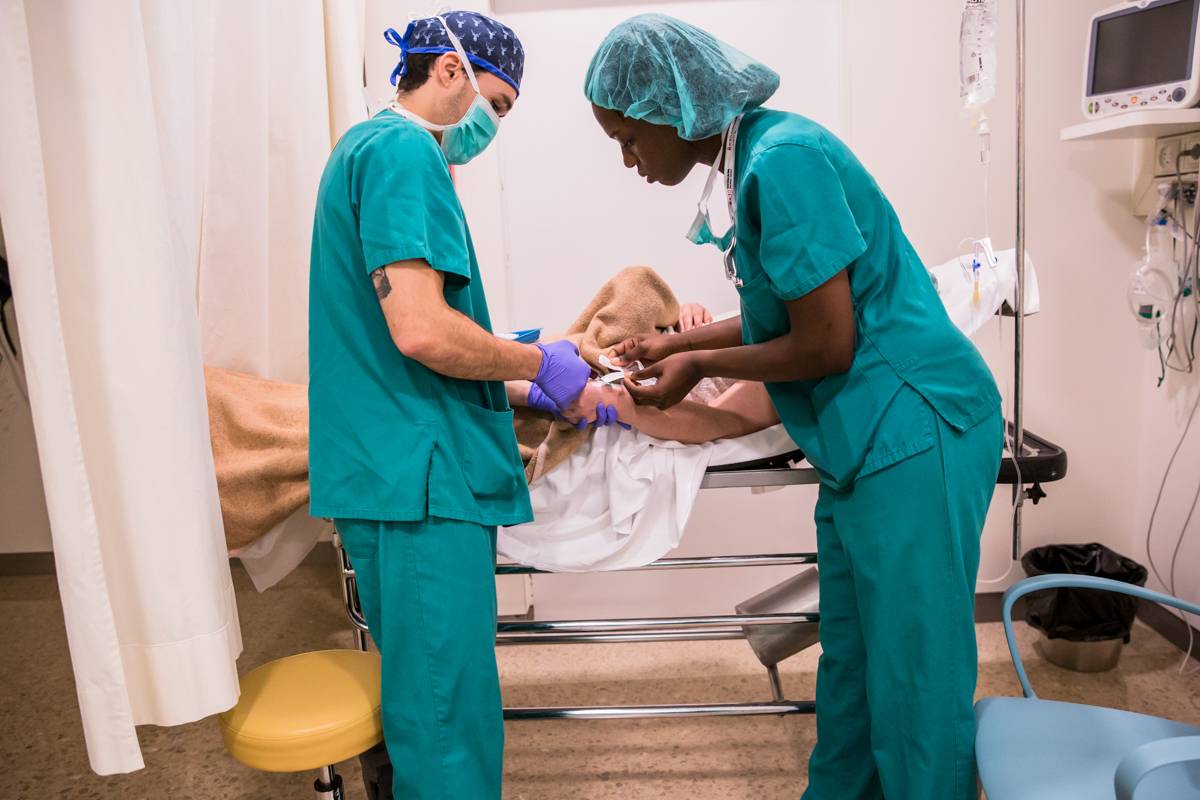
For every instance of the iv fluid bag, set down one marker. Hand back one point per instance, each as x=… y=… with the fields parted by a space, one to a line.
x=977 y=65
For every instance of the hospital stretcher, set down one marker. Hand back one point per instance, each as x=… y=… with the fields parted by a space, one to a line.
x=1040 y=462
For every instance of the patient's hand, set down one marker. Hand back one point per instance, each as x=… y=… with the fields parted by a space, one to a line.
x=692 y=315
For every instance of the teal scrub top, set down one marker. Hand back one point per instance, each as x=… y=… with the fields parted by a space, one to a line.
x=389 y=439
x=806 y=210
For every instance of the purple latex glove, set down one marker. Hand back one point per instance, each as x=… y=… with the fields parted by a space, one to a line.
x=540 y=402
x=602 y=417
x=607 y=415
x=563 y=373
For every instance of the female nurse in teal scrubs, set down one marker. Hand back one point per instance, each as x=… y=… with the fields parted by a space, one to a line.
x=893 y=406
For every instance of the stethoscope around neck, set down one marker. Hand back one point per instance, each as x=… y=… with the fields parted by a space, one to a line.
x=731 y=267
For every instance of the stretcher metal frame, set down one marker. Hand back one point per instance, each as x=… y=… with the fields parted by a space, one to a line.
x=715 y=627
x=1037 y=461
x=1040 y=462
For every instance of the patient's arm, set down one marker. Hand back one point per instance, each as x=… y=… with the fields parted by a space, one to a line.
x=518 y=393
x=744 y=408
x=518 y=397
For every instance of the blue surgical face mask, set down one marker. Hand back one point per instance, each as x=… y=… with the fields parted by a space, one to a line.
x=470 y=136
x=701 y=232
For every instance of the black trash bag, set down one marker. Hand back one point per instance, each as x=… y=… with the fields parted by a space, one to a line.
x=1082 y=615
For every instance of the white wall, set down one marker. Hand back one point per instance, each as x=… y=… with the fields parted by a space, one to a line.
x=1095 y=381
x=1081 y=352
x=1164 y=414
x=575 y=215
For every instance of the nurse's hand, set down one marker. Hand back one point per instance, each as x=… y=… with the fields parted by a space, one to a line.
x=676 y=375
x=646 y=348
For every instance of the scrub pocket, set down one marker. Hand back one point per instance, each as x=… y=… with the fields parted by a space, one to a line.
x=908 y=427
x=476 y=466
x=491 y=458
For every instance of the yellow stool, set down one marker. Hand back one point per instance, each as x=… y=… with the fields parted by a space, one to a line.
x=307 y=712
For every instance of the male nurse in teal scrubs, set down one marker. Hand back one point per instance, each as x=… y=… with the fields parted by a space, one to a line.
x=892 y=405
x=411 y=446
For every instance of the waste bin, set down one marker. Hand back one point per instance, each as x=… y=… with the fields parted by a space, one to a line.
x=1082 y=629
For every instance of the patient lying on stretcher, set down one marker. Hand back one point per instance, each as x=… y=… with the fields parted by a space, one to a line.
x=724 y=410
x=618 y=499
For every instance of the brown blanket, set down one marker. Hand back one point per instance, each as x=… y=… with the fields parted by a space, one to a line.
x=259 y=431
x=259 y=427
x=635 y=300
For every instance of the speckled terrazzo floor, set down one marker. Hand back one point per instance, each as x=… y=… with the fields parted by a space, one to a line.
x=730 y=758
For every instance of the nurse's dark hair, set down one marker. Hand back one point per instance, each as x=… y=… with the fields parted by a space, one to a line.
x=419 y=66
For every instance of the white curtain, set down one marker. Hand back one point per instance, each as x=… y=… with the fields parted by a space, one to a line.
x=151 y=152
x=287 y=82
x=96 y=209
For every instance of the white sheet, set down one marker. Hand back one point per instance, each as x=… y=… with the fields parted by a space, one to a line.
x=772 y=441
x=997 y=286
x=621 y=500
x=272 y=557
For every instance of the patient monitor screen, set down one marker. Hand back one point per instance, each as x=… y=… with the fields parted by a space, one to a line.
x=1143 y=48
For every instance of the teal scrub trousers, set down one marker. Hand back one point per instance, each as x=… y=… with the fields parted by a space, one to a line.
x=428 y=591
x=899 y=553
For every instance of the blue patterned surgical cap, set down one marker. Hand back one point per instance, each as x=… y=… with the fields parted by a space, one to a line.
x=488 y=44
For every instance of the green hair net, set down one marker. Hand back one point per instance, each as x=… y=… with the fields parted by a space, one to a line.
x=664 y=71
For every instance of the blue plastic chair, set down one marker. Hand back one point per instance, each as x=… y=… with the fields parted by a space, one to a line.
x=1032 y=749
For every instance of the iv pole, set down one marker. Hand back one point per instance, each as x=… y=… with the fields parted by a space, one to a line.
x=1018 y=437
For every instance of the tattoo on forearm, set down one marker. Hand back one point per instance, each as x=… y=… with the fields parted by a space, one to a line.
x=383 y=287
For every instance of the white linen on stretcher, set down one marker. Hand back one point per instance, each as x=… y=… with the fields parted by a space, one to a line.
x=623 y=499
x=955 y=283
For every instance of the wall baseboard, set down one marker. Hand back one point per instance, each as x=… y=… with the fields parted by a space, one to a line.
x=13 y=565
x=21 y=564
x=1163 y=622
x=1169 y=626
x=988 y=605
